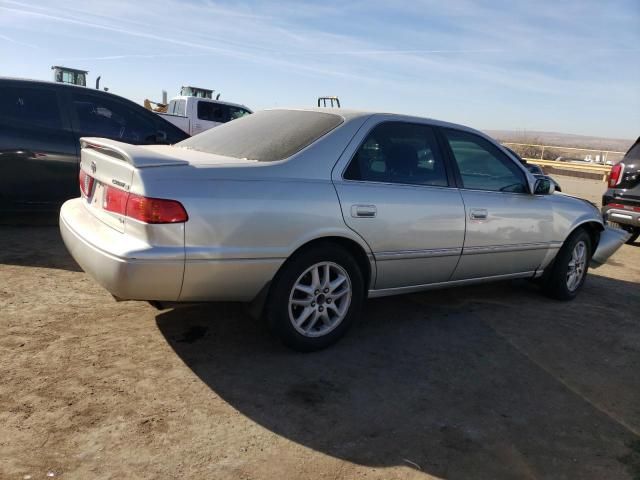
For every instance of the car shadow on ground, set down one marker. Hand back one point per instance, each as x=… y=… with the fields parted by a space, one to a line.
x=456 y=383
x=35 y=245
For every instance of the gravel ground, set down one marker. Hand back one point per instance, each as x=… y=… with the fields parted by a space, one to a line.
x=492 y=382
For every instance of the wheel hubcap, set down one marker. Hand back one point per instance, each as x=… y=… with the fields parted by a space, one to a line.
x=577 y=266
x=320 y=299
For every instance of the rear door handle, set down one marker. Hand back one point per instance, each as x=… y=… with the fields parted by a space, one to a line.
x=478 y=214
x=363 y=211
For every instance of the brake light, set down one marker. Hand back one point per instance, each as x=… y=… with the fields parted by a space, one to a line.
x=115 y=200
x=144 y=209
x=86 y=183
x=155 y=210
x=615 y=177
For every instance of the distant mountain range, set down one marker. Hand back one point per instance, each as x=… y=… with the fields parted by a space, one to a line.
x=561 y=139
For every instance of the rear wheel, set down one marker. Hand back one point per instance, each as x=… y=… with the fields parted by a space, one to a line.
x=569 y=269
x=315 y=298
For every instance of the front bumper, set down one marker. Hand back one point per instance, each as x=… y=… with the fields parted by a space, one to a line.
x=611 y=239
x=127 y=267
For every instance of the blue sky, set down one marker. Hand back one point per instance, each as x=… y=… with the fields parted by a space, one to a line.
x=568 y=66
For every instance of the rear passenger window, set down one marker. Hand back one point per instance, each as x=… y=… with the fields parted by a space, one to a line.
x=213 y=112
x=35 y=106
x=397 y=152
x=102 y=116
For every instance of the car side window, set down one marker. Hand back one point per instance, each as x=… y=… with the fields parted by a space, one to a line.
x=236 y=112
x=213 y=112
x=482 y=166
x=399 y=152
x=104 y=117
x=33 y=106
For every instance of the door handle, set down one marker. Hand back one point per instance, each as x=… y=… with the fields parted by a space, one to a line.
x=363 y=211
x=478 y=214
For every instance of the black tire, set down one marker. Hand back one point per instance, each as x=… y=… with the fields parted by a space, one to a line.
x=277 y=305
x=554 y=283
x=635 y=233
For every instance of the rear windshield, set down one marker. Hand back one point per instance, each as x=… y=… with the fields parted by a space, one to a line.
x=634 y=152
x=265 y=136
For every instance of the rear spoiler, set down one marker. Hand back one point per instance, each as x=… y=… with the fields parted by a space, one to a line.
x=137 y=156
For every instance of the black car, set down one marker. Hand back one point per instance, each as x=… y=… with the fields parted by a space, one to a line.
x=40 y=125
x=621 y=201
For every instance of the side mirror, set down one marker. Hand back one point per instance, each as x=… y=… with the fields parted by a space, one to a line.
x=543 y=186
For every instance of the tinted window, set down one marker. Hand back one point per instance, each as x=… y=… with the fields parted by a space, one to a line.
x=482 y=166
x=265 y=136
x=102 y=116
x=237 y=112
x=213 y=112
x=35 y=106
x=634 y=153
x=399 y=152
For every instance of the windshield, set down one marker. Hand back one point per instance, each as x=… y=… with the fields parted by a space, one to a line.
x=265 y=136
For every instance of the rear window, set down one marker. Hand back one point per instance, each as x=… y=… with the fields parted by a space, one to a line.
x=33 y=106
x=633 y=153
x=265 y=136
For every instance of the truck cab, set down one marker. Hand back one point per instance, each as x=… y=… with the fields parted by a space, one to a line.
x=195 y=114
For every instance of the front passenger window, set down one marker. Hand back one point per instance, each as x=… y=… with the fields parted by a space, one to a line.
x=398 y=152
x=482 y=166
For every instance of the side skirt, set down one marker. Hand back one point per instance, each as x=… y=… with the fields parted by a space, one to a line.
x=455 y=283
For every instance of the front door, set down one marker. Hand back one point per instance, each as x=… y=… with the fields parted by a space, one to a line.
x=509 y=230
x=395 y=194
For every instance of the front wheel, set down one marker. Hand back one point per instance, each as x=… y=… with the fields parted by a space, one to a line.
x=569 y=269
x=315 y=298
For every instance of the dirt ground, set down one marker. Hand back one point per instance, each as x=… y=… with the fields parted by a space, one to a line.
x=487 y=382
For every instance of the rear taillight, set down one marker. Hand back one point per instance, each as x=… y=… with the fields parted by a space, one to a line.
x=144 y=209
x=86 y=183
x=115 y=200
x=615 y=177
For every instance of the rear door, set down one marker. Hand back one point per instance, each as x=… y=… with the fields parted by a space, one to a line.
x=38 y=152
x=508 y=230
x=395 y=192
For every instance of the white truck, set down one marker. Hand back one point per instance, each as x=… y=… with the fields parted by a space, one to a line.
x=194 y=114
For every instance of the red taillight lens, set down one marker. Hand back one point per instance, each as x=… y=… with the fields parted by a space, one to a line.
x=155 y=210
x=144 y=209
x=615 y=177
x=86 y=183
x=115 y=200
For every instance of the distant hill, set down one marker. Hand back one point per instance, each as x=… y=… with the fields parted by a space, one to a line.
x=561 y=139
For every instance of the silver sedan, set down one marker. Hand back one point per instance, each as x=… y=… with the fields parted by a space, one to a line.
x=306 y=213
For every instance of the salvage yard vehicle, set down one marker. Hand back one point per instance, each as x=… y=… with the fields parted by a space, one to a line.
x=195 y=114
x=306 y=213
x=621 y=201
x=40 y=127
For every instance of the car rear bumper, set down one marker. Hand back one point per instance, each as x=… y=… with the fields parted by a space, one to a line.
x=611 y=239
x=622 y=216
x=127 y=267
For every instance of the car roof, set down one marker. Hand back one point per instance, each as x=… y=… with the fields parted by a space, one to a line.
x=49 y=83
x=352 y=114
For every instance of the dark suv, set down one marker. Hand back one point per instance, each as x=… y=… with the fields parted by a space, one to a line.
x=621 y=202
x=40 y=124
